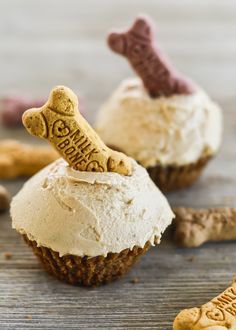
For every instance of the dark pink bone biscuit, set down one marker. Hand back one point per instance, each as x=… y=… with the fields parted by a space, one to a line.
x=157 y=74
x=14 y=107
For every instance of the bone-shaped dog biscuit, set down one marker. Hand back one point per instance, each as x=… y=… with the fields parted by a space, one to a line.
x=12 y=109
x=19 y=159
x=194 y=227
x=218 y=314
x=139 y=47
x=60 y=122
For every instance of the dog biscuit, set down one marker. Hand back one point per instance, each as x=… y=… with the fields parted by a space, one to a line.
x=60 y=122
x=12 y=109
x=193 y=227
x=218 y=314
x=139 y=47
x=19 y=159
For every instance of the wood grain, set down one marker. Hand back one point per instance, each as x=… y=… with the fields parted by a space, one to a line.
x=62 y=42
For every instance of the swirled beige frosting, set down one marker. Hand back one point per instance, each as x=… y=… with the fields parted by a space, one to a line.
x=90 y=213
x=174 y=130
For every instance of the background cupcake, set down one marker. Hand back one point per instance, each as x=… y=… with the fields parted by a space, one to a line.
x=164 y=121
x=86 y=226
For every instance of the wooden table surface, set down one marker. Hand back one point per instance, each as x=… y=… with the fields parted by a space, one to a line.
x=46 y=43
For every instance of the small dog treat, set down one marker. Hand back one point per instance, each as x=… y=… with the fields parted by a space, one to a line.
x=14 y=107
x=195 y=227
x=218 y=314
x=18 y=159
x=139 y=47
x=4 y=199
x=60 y=122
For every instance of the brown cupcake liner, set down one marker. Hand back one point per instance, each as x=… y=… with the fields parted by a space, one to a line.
x=170 y=178
x=173 y=177
x=84 y=270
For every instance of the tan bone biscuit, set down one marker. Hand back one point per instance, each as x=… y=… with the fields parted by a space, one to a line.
x=19 y=159
x=195 y=227
x=218 y=314
x=60 y=122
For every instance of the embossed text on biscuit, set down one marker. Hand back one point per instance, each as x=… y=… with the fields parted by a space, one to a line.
x=60 y=122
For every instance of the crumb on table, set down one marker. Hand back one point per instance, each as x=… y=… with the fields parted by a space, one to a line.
x=134 y=280
x=8 y=255
x=29 y=317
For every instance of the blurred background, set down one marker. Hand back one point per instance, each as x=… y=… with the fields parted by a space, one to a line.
x=46 y=43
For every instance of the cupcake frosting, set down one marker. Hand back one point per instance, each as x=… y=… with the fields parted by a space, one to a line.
x=173 y=130
x=90 y=213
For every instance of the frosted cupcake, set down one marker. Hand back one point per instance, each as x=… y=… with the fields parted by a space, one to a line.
x=162 y=120
x=87 y=218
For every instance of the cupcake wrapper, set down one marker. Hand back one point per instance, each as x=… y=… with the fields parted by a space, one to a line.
x=171 y=178
x=87 y=271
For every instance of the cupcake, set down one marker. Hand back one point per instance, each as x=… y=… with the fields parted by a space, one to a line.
x=164 y=121
x=90 y=216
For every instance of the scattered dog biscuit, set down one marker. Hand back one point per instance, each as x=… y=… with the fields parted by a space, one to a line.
x=60 y=122
x=12 y=109
x=4 y=199
x=139 y=47
x=194 y=227
x=18 y=159
x=218 y=314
